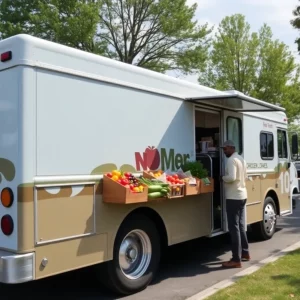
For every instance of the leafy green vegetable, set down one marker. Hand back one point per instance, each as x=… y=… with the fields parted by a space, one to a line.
x=196 y=168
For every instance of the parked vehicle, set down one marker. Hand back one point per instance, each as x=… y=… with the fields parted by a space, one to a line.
x=69 y=118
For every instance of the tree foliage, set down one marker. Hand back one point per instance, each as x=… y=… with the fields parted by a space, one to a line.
x=254 y=64
x=296 y=23
x=158 y=35
x=69 y=22
x=15 y=17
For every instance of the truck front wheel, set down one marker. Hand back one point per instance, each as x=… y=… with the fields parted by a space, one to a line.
x=136 y=256
x=265 y=229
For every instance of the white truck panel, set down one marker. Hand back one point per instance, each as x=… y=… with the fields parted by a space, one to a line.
x=82 y=124
x=9 y=143
x=38 y=52
x=27 y=124
x=252 y=128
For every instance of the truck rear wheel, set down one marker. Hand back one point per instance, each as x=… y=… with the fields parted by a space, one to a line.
x=136 y=256
x=265 y=229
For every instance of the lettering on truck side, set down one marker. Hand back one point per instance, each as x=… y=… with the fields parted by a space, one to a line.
x=257 y=165
x=152 y=159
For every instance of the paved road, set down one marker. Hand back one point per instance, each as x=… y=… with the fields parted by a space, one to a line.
x=187 y=269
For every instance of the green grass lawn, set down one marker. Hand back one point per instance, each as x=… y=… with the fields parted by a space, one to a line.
x=275 y=281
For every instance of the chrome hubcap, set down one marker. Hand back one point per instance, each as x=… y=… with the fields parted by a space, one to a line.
x=135 y=254
x=269 y=218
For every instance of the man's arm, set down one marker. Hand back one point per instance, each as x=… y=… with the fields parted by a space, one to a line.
x=231 y=176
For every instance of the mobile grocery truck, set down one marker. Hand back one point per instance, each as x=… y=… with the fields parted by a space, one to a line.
x=70 y=121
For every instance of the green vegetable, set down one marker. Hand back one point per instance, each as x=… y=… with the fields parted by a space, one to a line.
x=165 y=185
x=149 y=182
x=145 y=181
x=206 y=181
x=196 y=168
x=154 y=188
x=155 y=195
x=160 y=183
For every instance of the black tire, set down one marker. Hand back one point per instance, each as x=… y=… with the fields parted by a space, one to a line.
x=263 y=230
x=115 y=279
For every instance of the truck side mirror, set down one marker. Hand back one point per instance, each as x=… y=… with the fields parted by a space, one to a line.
x=295 y=146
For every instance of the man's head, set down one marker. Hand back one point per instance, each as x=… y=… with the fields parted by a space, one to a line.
x=228 y=148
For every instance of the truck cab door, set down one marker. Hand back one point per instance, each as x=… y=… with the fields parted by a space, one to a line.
x=232 y=130
x=283 y=176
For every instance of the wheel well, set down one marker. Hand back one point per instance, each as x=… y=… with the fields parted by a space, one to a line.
x=156 y=218
x=273 y=195
x=295 y=191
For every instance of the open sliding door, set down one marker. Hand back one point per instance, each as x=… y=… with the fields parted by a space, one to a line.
x=233 y=104
x=233 y=130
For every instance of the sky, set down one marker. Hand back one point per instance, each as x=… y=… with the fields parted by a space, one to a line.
x=275 y=13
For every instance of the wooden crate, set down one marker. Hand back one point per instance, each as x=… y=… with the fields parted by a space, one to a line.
x=207 y=188
x=199 y=188
x=146 y=174
x=177 y=194
x=113 y=192
x=193 y=189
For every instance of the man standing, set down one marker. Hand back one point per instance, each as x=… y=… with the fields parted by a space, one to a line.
x=236 y=198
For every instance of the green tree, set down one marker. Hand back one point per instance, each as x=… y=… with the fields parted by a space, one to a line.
x=15 y=18
x=254 y=64
x=232 y=62
x=276 y=74
x=158 y=35
x=296 y=23
x=70 y=22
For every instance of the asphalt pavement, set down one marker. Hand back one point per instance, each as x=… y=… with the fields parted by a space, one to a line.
x=187 y=269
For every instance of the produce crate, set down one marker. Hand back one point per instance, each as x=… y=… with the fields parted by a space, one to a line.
x=177 y=190
x=200 y=187
x=147 y=175
x=114 y=192
x=207 y=188
x=193 y=189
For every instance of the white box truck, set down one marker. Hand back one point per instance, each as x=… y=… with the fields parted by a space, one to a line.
x=67 y=117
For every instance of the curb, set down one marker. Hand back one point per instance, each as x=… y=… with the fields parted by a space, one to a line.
x=228 y=282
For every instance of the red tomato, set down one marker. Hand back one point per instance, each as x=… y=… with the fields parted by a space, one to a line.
x=109 y=175
x=124 y=181
x=175 y=176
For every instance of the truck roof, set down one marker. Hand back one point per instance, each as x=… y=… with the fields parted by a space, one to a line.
x=31 y=51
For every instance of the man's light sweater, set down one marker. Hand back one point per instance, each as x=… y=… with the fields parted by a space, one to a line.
x=235 y=178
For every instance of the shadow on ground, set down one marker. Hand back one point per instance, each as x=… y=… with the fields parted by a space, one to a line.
x=289 y=280
x=184 y=260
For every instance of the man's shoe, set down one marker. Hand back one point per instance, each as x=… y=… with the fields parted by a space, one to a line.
x=246 y=257
x=231 y=264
